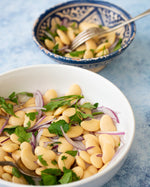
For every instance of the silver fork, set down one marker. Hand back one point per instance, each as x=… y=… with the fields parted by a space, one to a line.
x=95 y=31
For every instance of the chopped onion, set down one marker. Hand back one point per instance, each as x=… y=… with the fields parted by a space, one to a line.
x=38 y=136
x=110 y=112
x=49 y=35
x=73 y=143
x=39 y=102
x=4 y=140
x=1 y=130
x=111 y=132
x=32 y=108
x=79 y=138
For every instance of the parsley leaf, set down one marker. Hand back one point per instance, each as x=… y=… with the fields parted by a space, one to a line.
x=10 y=130
x=43 y=162
x=62 y=27
x=78 y=117
x=63 y=157
x=68 y=176
x=32 y=115
x=54 y=162
x=77 y=53
x=61 y=101
x=118 y=46
x=55 y=127
x=16 y=172
x=13 y=97
x=23 y=136
x=52 y=171
x=72 y=153
x=48 y=179
x=6 y=106
x=29 y=180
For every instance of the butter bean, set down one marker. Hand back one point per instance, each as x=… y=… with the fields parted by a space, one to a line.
x=108 y=153
x=85 y=156
x=81 y=47
x=106 y=123
x=59 y=42
x=30 y=102
x=102 y=53
x=90 y=44
x=10 y=147
x=91 y=125
x=80 y=162
x=14 y=139
x=96 y=148
x=96 y=161
x=18 y=120
x=70 y=33
x=16 y=155
x=102 y=47
x=92 y=169
x=20 y=180
x=8 y=158
x=49 y=44
x=7 y=169
x=27 y=157
x=2 y=154
x=88 y=54
x=64 y=146
x=75 y=131
x=85 y=25
x=64 y=117
x=65 y=160
x=64 y=38
x=7 y=177
x=60 y=110
x=48 y=95
x=69 y=112
x=1 y=171
x=74 y=90
x=27 y=121
x=78 y=171
x=106 y=138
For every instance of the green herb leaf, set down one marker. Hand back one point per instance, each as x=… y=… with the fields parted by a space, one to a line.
x=54 y=162
x=55 y=127
x=63 y=157
x=61 y=101
x=6 y=106
x=118 y=46
x=29 y=94
x=79 y=116
x=16 y=172
x=10 y=130
x=32 y=115
x=48 y=179
x=68 y=176
x=29 y=180
x=52 y=171
x=13 y=97
x=62 y=27
x=89 y=105
x=43 y=162
x=72 y=153
x=77 y=53
x=23 y=136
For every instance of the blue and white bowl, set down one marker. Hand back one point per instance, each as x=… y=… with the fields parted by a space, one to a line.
x=99 y=12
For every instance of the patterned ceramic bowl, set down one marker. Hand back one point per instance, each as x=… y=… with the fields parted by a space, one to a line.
x=99 y=12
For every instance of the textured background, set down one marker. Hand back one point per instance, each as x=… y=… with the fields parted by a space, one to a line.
x=130 y=72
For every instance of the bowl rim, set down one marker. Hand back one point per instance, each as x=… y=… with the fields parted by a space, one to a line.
x=124 y=152
x=104 y=59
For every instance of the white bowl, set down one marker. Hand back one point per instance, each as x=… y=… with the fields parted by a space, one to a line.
x=95 y=89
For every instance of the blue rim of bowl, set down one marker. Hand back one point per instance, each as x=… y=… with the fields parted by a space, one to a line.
x=104 y=59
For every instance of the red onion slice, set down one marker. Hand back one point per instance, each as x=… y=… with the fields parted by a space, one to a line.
x=39 y=102
x=111 y=132
x=38 y=136
x=73 y=143
x=32 y=108
x=110 y=112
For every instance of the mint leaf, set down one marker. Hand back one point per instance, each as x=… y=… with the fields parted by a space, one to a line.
x=43 y=162
x=55 y=127
x=23 y=136
x=32 y=115
x=10 y=130
x=54 y=162
x=16 y=172
x=72 y=153
x=63 y=157
x=29 y=180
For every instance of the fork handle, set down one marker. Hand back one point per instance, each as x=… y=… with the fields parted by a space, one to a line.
x=147 y=12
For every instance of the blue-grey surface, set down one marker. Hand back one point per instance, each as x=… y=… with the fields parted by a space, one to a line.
x=130 y=72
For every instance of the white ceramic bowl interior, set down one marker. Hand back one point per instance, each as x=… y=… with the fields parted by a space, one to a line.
x=95 y=89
